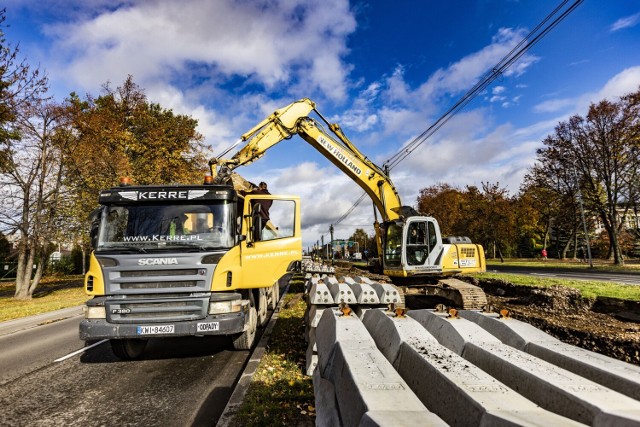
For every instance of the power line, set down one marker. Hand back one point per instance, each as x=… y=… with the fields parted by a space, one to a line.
x=533 y=37
x=507 y=61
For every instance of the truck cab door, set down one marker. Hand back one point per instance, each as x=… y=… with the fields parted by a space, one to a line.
x=272 y=245
x=422 y=244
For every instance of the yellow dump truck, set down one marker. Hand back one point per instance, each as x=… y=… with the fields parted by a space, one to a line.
x=186 y=260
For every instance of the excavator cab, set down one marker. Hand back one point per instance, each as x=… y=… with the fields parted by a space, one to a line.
x=412 y=247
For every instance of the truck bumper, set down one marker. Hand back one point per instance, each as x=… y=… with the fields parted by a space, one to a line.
x=227 y=324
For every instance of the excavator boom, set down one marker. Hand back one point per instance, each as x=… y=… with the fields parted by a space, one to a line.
x=410 y=247
x=294 y=120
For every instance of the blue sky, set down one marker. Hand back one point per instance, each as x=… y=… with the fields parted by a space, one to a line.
x=385 y=71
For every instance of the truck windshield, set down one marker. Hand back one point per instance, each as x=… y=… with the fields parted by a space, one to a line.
x=203 y=226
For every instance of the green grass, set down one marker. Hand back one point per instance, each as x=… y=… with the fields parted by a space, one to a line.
x=52 y=294
x=588 y=288
x=280 y=393
x=598 y=265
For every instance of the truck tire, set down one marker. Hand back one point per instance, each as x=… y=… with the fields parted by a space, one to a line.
x=275 y=296
x=245 y=340
x=128 y=349
x=262 y=307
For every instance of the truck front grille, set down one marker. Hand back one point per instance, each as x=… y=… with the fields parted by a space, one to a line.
x=148 y=280
x=156 y=310
x=150 y=273
x=158 y=285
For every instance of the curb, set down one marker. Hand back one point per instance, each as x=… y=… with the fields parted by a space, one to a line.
x=16 y=325
x=237 y=397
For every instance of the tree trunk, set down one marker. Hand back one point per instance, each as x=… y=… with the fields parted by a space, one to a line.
x=39 y=271
x=22 y=287
x=495 y=243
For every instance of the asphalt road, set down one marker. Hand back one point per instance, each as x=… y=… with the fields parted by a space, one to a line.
x=177 y=382
x=626 y=278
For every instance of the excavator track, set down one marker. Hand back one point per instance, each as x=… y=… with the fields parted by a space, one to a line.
x=457 y=293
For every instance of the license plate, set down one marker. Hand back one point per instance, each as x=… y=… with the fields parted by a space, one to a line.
x=156 y=329
x=206 y=327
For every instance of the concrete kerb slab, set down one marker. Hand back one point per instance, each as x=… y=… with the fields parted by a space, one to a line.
x=364 y=381
x=15 y=325
x=549 y=386
x=614 y=374
x=326 y=406
x=239 y=392
x=445 y=382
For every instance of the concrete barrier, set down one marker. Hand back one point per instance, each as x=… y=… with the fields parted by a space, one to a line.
x=368 y=390
x=614 y=374
x=549 y=386
x=448 y=385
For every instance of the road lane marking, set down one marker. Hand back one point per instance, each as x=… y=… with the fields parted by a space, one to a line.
x=82 y=350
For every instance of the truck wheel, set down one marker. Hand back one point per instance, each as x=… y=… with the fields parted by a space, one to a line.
x=262 y=307
x=128 y=349
x=275 y=295
x=245 y=340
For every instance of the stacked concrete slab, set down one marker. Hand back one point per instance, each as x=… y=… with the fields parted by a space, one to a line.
x=609 y=372
x=323 y=290
x=356 y=384
x=459 y=392
x=473 y=370
x=550 y=386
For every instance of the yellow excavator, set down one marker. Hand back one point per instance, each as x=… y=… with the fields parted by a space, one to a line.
x=411 y=249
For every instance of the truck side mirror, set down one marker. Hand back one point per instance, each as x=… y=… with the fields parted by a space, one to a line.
x=94 y=217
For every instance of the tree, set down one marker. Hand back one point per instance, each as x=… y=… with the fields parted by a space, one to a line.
x=600 y=153
x=361 y=237
x=446 y=204
x=121 y=133
x=29 y=162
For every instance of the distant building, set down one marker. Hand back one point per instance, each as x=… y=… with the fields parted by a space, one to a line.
x=630 y=221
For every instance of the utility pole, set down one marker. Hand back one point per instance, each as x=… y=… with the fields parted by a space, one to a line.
x=584 y=222
x=331 y=232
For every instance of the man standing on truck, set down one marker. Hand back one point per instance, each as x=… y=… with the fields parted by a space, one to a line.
x=264 y=204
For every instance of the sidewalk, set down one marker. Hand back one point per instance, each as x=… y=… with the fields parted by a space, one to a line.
x=15 y=325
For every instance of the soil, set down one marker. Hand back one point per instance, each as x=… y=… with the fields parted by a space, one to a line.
x=606 y=326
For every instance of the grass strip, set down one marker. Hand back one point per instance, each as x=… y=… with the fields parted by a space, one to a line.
x=598 y=265
x=588 y=288
x=52 y=294
x=280 y=394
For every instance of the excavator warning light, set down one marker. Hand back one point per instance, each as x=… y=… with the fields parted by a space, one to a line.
x=504 y=313
x=208 y=180
x=125 y=181
x=453 y=313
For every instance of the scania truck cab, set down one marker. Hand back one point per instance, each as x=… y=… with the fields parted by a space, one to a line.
x=186 y=260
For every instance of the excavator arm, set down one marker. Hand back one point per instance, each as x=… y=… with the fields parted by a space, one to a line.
x=294 y=120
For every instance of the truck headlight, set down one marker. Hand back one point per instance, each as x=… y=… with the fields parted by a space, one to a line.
x=94 y=312
x=220 y=307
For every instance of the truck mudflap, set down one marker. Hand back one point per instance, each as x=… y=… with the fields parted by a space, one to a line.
x=218 y=324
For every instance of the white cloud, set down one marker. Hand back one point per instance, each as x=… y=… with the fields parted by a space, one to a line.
x=624 y=82
x=266 y=41
x=497 y=90
x=464 y=73
x=626 y=22
x=553 y=105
